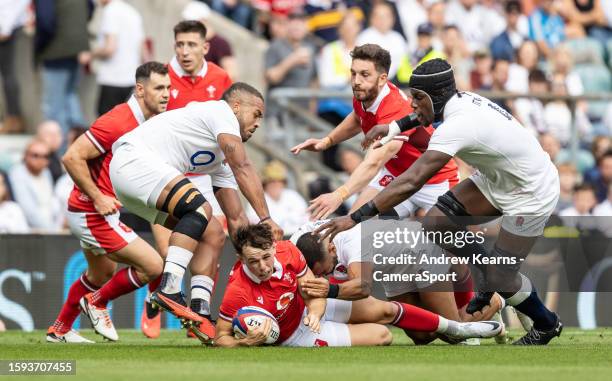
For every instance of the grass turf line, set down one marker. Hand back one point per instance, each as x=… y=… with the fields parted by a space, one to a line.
x=577 y=355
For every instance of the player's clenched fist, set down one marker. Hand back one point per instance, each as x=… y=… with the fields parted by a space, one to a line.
x=106 y=205
x=312 y=144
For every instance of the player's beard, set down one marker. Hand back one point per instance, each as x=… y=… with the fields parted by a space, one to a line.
x=367 y=95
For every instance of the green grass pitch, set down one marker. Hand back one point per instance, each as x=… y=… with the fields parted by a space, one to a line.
x=577 y=355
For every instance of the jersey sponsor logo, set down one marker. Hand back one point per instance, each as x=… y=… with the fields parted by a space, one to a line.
x=211 y=91
x=385 y=180
x=174 y=93
x=284 y=301
x=201 y=158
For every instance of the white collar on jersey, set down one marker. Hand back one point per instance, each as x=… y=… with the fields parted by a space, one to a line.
x=278 y=272
x=383 y=93
x=135 y=107
x=176 y=67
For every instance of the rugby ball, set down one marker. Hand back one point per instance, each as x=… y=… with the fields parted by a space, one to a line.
x=250 y=317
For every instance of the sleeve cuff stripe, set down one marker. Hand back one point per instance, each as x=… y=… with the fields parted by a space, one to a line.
x=303 y=272
x=93 y=140
x=225 y=317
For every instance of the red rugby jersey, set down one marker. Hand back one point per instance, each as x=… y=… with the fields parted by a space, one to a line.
x=210 y=84
x=103 y=133
x=392 y=104
x=279 y=295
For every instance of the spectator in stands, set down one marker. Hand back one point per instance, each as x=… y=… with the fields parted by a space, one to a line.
x=64 y=185
x=607 y=119
x=605 y=207
x=505 y=44
x=583 y=202
x=268 y=9
x=568 y=179
x=457 y=54
x=558 y=155
x=61 y=34
x=380 y=32
x=277 y=27
x=220 y=51
x=530 y=111
x=478 y=24
x=290 y=61
x=527 y=60
x=33 y=188
x=50 y=132
x=562 y=62
x=499 y=74
x=334 y=73
x=325 y=17
x=602 y=179
x=481 y=77
x=412 y=13
x=425 y=51
x=12 y=219
x=286 y=206
x=558 y=116
x=436 y=16
x=546 y=27
x=586 y=17
x=236 y=10
x=120 y=49
x=14 y=15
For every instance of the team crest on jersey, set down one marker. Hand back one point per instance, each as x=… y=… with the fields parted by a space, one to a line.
x=211 y=91
x=284 y=301
x=174 y=93
x=385 y=180
x=287 y=277
x=341 y=269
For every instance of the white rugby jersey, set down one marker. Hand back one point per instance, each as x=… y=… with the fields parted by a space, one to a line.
x=186 y=138
x=491 y=140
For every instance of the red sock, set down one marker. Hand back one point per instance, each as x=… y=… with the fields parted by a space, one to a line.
x=154 y=284
x=70 y=310
x=123 y=282
x=464 y=291
x=414 y=318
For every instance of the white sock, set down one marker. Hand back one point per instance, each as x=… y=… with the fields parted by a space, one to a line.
x=176 y=263
x=201 y=287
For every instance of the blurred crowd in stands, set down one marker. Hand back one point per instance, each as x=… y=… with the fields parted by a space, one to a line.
x=536 y=47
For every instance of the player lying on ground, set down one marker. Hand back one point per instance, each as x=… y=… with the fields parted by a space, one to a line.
x=192 y=78
x=93 y=214
x=271 y=276
x=516 y=179
x=344 y=260
x=147 y=172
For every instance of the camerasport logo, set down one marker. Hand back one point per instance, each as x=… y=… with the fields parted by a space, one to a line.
x=284 y=301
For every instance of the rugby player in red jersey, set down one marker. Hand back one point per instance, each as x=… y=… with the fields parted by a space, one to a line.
x=94 y=212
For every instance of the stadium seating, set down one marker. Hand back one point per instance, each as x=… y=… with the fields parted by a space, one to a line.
x=586 y=51
x=596 y=78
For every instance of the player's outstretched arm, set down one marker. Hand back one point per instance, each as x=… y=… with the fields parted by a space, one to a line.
x=324 y=205
x=255 y=337
x=386 y=132
x=314 y=305
x=230 y=204
x=348 y=128
x=75 y=161
x=247 y=178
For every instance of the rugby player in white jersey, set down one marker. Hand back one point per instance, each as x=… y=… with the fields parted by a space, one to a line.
x=147 y=174
x=515 y=179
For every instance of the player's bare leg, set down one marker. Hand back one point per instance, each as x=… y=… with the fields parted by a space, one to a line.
x=100 y=269
x=144 y=264
x=369 y=334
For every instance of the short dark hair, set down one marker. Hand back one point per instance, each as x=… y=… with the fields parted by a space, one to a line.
x=584 y=187
x=190 y=26
x=373 y=53
x=240 y=87
x=537 y=75
x=143 y=72
x=258 y=236
x=606 y=155
x=311 y=248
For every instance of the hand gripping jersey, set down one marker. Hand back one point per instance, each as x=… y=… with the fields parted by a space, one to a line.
x=103 y=133
x=279 y=295
x=210 y=84
x=392 y=104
